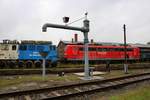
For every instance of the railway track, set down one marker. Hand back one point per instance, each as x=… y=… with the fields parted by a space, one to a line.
x=4 y=72
x=74 y=90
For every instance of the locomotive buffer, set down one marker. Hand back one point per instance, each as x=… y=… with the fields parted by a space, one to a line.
x=85 y=29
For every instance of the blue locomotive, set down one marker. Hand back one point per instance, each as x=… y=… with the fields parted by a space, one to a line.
x=27 y=53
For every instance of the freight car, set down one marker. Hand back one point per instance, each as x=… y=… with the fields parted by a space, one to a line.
x=27 y=53
x=145 y=53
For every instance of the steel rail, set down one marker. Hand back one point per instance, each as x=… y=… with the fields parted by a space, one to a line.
x=68 y=86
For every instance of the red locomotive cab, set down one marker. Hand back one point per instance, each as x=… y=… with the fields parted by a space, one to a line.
x=71 y=52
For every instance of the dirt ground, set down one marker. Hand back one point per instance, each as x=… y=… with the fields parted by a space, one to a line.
x=25 y=82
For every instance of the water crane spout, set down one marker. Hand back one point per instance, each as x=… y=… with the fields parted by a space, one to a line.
x=44 y=28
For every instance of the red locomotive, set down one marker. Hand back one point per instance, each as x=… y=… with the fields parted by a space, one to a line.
x=100 y=53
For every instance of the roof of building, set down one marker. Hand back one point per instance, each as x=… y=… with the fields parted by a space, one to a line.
x=141 y=45
x=35 y=42
x=7 y=41
x=95 y=43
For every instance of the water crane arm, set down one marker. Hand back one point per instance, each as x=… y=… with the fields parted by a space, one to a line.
x=82 y=29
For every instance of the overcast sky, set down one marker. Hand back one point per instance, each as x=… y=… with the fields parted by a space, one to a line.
x=23 y=19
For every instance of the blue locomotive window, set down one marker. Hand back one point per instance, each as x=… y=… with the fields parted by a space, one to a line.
x=14 y=47
x=23 y=47
x=54 y=47
x=40 y=48
x=50 y=47
x=31 y=47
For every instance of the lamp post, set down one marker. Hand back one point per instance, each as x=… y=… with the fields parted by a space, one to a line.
x=85 y=29
x=125 y=51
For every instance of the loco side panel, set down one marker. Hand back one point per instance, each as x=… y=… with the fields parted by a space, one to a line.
x=8 y=51
x=31 y=52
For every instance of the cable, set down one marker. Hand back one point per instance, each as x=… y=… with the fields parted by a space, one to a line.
x=75 y=21
x=85 y=17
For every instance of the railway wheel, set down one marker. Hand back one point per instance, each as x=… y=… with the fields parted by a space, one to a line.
x=54 y=64
x=29 y=64
x=2 y=64
x=11 y=64
x=38 y=64
x=21 y=64
x=47 y=64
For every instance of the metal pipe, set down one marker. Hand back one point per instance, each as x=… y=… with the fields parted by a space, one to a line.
x=82 y=29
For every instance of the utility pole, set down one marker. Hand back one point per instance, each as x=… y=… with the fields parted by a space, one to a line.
x=85 y=29
x=125 y=51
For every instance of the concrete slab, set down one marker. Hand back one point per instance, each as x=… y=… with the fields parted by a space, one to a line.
x=94 y=73
x=92 y=78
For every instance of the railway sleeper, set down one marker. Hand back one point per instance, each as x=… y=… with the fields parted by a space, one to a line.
x=56 y=93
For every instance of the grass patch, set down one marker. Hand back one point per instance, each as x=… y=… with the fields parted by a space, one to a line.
x=142 y=93
x=14 y=81
x=119 y=73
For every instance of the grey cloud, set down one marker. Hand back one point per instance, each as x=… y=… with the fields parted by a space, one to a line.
x=23 y=19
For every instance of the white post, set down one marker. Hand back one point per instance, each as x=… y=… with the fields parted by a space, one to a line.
x=44 y=72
